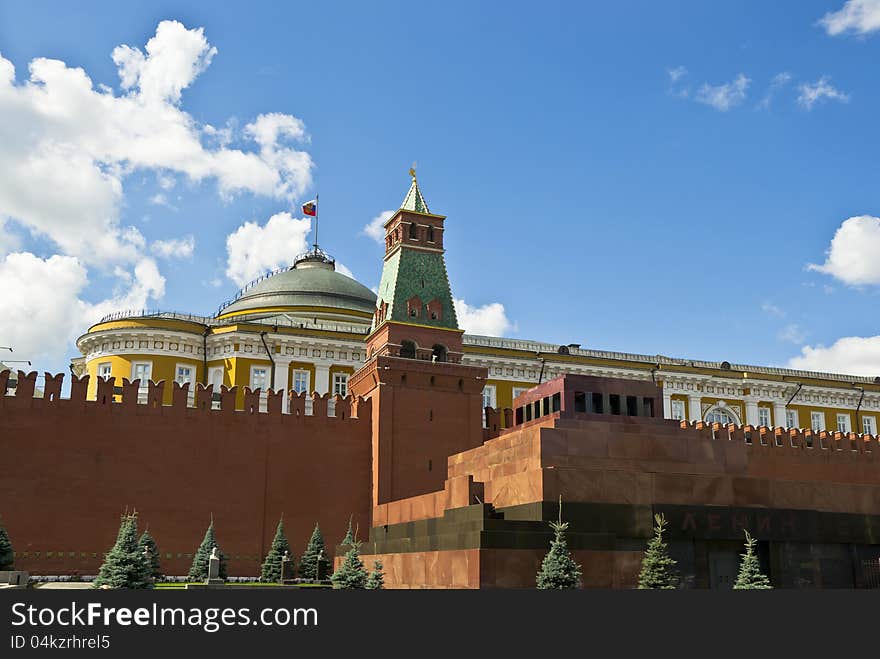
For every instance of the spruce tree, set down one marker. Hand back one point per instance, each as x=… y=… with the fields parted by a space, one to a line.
x=199 y=569
x=376 y=580
x=658 y=567
x=349 y=536
x=125 y=565
x=351 y=574
x=315 y=563
x=6 y=553
x=559 y=570
x=148 y=544
x=750 y=576
x=271 y=572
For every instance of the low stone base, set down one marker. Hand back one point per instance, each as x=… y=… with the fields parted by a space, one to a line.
x=14 y=578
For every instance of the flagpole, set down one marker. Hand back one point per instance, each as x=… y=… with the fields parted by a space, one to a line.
x=316 y=223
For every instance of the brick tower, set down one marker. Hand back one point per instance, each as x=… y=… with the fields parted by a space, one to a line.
x=426 y=404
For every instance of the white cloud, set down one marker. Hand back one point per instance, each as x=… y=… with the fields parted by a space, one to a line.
x=175 y=57
x=769 y=307
x=793 y=333
x=174 y=248
x=779 y=81
x=852 y=256
x=376 y=227
x=254 y=249
x=810 y=93
x=676 y=73
x=726 y=96
x=859 y=16
x=676 y=81
x=853 y=355
x=68 y=146
x=488 y=320
x=160 y=199
x=41 y=300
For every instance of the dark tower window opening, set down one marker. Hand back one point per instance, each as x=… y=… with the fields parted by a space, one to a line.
x=408 y=349
x=438 y=353
x=430 y=234
x=413 y=231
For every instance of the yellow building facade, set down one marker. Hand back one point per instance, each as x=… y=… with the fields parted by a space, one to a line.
x=302 y=328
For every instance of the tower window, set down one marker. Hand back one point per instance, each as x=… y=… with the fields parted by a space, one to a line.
x=430 y=234
x=407 y=349
x=413 y=231
x=438 y=353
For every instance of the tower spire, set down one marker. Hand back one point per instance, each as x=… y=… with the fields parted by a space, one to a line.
x=414 y=200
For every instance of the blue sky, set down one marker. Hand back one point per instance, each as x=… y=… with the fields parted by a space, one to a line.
x=614 y=174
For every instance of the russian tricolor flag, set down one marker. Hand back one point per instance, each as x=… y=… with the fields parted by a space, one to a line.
x=311 y=207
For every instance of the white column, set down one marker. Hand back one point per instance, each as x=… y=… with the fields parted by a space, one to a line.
x=695 y=412
x=780 y=418
x=280 y=381
x=752 y=412
x=667 y=404
x=282 y=367
x=322 y=377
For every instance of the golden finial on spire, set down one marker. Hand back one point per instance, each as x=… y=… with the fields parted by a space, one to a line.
x=412 y=171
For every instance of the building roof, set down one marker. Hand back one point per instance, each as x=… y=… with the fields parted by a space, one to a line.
x=414 y=200
x=311 y=282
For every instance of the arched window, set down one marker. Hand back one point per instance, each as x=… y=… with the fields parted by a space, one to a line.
x=430 y=234
x=413 y=231
x=721 y=414
x=438 y=353
x=408 y=349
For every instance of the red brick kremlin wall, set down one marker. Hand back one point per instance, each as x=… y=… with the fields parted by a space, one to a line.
x=70 y=467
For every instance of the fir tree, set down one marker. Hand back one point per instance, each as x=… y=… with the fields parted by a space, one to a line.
x=558 y=569
x=349 y=536
x=750 y=576
x=199 y=569
x=124 y=565
x=271 y=572
x=658 y=567
x=376 y=580
x=6 y=553
x=351 y=574
x=315 y=564
x=148 y=548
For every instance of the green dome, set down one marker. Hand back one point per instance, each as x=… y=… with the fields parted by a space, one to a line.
x=311 y=282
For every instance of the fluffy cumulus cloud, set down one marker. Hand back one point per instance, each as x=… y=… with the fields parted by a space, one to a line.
x=376 y=227
x=726 y=96
x=68 y=147
x=254 y=249
x=856 y=16
x=42 y=305
x=489 y=319
x=852 y=355
x=852 y=256
x=810 y=93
